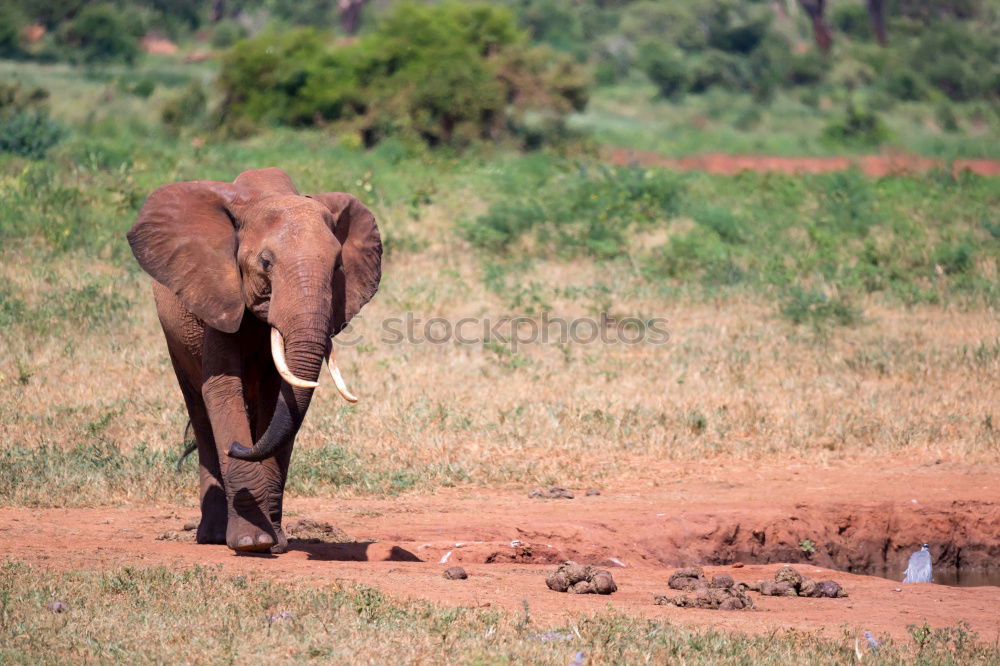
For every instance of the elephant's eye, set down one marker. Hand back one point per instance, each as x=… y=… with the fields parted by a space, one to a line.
x=265 y=264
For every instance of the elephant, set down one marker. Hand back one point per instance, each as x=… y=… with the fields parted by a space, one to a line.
x=251 y=281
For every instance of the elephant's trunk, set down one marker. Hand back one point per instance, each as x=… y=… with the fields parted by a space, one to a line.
x=304 y=351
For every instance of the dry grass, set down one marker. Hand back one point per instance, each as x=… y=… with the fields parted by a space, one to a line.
x=735 y=380
x=159 y=616
x=90 y=412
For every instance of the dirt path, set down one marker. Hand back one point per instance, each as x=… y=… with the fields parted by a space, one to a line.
x=876 y=166
x=508 y=542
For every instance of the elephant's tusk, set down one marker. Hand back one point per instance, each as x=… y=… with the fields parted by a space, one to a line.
x=338 y=379
x=278 y=354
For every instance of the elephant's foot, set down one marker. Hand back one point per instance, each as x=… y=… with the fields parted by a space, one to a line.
x=243 y=537
x=248 y=528
x=281 y=546
x=213 y=531
x=214 y=517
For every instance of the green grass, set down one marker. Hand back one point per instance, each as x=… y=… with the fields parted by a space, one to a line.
x=750 y=267
x=96 y=470
x=491 y=232
x=926 y=239
x=792 y=124
x=160 y=615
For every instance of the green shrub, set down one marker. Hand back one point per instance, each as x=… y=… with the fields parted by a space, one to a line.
x=263 y=78
x=965 y=58
x=305 y=12
x=227 y=33
x=945 y=116
x=447 y=73
x=803 y=69
x=955 y=258
x=954 y=76
x=185 y=108
x=730 y=228
x=11 y=22
x=858 y=126
x=737 y=28
x=665 y=68
x=903 y=83
x=811 y=306
x=29 y=133
x=556 y=23
x=98 y=34
x=586 y=212
x=614 y=60
x=25 y=126
x=852 y=19
x=697 y=254
x=142 y=87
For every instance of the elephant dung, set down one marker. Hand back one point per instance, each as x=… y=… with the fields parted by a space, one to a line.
x=788 y=575
x=455 y=573
x=828 y=588
x=718 y=597
x=686 y=579
x=790 y=583
x=555 y=492
x=316 y=531
x=581 y=579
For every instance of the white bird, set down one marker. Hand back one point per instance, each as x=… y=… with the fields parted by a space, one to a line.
x=919 y=568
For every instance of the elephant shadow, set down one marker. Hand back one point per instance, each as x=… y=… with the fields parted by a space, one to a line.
x=352 y=551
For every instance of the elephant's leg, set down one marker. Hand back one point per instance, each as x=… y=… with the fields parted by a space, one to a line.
x=211 y=490
x=184 y=333
x=249 y=486
x=263 y=384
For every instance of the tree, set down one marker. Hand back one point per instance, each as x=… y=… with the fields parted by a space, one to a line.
x=821 y=31
x=876 y=12
x=98 y=34
x=350 y=14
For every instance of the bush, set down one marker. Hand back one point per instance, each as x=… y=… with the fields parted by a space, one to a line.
x=11 y=21
x=698 y=253
x=555 y=23
x=25 y=126
x=29 y=133
x=903 y=83
x=99 y=34
x=954 y=57
x=447 y=73
x=810 y=306
x=584 y=212
x=955 y=258
x=665 y=68
x=142 y=87
x=852 y=19
x=227 y=33
x=858 y=127
x=184 y=108
x=737 y=28
x=736 y=49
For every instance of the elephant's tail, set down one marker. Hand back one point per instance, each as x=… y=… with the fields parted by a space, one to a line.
x=191 y=445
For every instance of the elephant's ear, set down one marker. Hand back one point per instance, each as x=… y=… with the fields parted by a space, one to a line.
x=186 y=239
x=356 y=280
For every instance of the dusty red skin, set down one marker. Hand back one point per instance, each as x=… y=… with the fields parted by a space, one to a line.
x=691 y=515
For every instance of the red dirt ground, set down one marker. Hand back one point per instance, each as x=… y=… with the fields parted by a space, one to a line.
x=696 y=515
x=876 y=166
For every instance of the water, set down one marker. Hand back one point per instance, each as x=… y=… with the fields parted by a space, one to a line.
x=951 y=577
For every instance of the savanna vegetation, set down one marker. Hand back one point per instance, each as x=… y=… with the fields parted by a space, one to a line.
x=827 y=317
x=362 y=625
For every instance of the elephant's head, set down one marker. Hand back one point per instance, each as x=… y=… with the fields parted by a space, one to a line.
x=304 y=264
